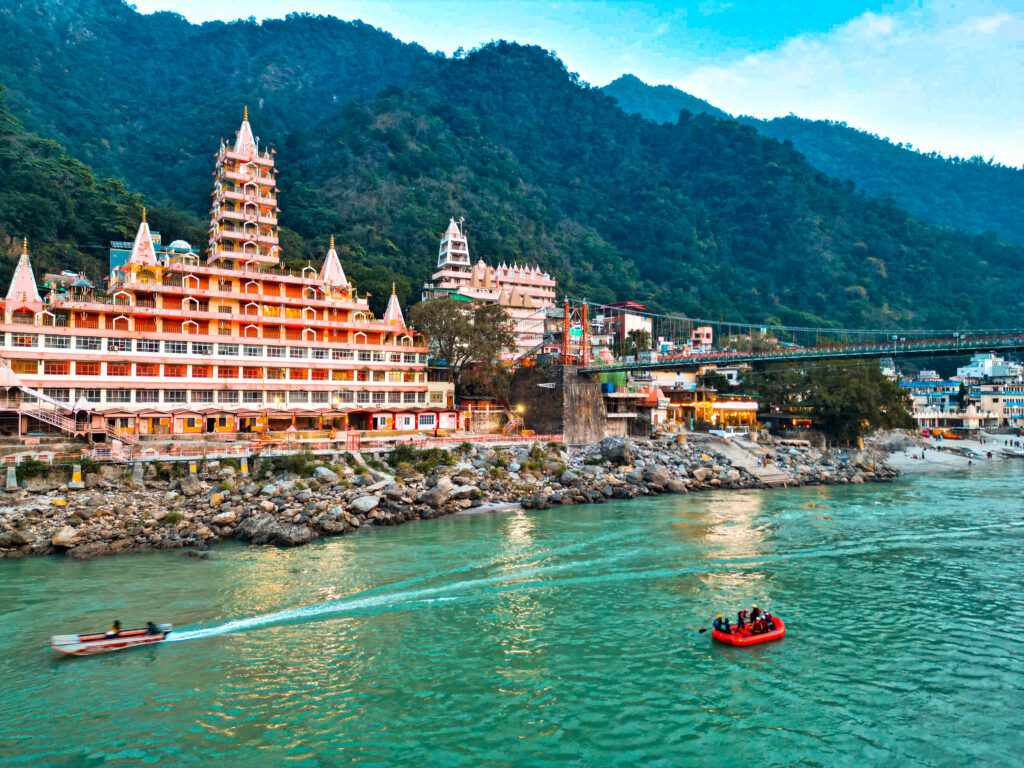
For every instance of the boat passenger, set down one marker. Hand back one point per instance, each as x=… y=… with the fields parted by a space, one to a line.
x=152 y=629
x=721 y=624
x=741 y=619
x=115 y=629
x=755 y=613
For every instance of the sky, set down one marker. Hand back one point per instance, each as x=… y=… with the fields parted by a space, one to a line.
x=940 y=76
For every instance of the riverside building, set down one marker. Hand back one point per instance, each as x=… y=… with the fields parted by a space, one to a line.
x=525 y=292
x=230 y=343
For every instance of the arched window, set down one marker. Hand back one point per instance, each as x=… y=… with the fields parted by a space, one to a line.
x=309 y=335
x=359 y=338
x=193 y=284
x=191 y=327
x=190 y=304
x=251 y=332
x=122 y=323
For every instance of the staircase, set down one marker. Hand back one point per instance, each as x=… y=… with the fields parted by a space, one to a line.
x=514 y=425
x=743 y=458
x=67 y=424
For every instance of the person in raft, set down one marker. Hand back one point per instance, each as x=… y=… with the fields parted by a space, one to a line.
x=115 y=629
x=722 y=625
x=152 y=629
x=741 y=620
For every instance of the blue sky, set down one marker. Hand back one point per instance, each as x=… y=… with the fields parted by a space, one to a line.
x=943 y=76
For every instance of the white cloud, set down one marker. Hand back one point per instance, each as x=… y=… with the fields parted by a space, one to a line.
x=950 y=84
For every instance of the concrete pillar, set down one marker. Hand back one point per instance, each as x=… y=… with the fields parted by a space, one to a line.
x=76 y=483
x=12 y=479
x=245 y=465
x=138 y=472
x=192 y=468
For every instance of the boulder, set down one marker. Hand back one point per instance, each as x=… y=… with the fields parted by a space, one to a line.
x=66 y=537
x=264 y=529
x=656 y=475
x=461 y=491
x=325 y=475
x=216 y=500
x=269 y=490
x=189 y=485
x=224 y=518
x=438 y=495
x=569 y=477
x=16 y=538
x=617 y=450
x=700 y=474
x=676 y=486
x=365 y=503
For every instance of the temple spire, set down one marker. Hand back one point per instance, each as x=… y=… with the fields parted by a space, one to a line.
x=393 y=314
x=246 y=142
x=23 y=282
x=143 y=251
x=331 y=272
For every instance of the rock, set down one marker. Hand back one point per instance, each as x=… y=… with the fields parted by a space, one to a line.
x=189 y=485
x=16 y=538
x=863 y=461
x=196 y=554
x=226 y=472
x=700 y=474
x=224 y=518
x=325 y=475
x=379 y=486
x=66 y=537
x=617 y=450
x=269 y=490
x=216 y=500
x=676 y=486
x=266 y=530
x=857 y=479
x=568 y=477
x=365 y=503
x=462 y=491
x=656 y=475
x=515 y=466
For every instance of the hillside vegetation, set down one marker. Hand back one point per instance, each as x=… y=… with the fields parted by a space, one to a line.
x=379 y=142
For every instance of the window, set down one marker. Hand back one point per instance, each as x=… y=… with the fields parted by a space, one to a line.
x=436 y=397
x=426 y=419
x=147 y=369
x=379 y=376
x=319 y=354
x=394 y=397
x=378 y=398
x=395 y=358
x=174 y=396
x=87 y=369
x=410 y=358
x=227 y=396
x=298 y=397
x=176 y=347
x=395 y=376
x=378 y=357
x=88 y=342
x=202 y=371
x=58 y=342
x=318 y=397
x=297 y=353
x=174 y=371
x=276 y=398
x=58 y=394
x=341 y=354
x=147 y=395
x=275 y=373
x=202 y=396
x=362 y=397
x=92 y=395
x=345 y=397
x=364 y=356
x=227 y=372
x=25 y=366
x=147 y=345
x=421 y=397
x=119 y=395
x=252 y=397
x=227 y=350
x=275 y=351
x=252 y=373
x=423 y=357
x=56 y=367
x=253 y=350
x=202 y=348
x=409 y=397
x=23 y=340
x=119 y=369
x=118 y=345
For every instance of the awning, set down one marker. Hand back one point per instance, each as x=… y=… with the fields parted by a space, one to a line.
x=119 y=414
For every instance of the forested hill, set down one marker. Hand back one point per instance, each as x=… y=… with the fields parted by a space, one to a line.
x=378 y=143
x=661 y=103
x=968 y=194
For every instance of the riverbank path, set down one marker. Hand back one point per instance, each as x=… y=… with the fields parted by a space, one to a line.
x=747 y=455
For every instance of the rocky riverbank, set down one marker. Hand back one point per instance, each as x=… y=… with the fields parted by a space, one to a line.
x=289 y=502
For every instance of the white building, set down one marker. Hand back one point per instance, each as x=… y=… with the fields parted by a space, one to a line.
x=989 y=366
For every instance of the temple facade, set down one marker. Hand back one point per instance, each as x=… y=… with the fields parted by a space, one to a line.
x=230 y=343
x=525 y=292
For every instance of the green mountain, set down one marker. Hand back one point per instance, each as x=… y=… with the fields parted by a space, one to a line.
x=660 y=103
x=378 y=143
x=970 y=194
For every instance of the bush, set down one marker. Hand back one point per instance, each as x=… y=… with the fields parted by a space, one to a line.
x=89 y=466
x=300 y=463
x=225 y=485
x=537 y=452
x=497 y=472
x=172 y=518
x=403 y=453
x=465 y=447
x=425 y=460
x=593 y=461
x=233 y=463
x=29 y=468
x=375 y=463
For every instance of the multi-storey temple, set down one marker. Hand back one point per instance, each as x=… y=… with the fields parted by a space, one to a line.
x=230 y=344
x=525 y=292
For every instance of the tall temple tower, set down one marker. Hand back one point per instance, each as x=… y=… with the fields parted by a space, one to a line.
x=454 y=251
x=243 y=227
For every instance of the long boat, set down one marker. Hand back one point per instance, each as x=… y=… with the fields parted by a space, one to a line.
x=105 y=642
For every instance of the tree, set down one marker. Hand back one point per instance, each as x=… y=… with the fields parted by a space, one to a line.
x=461 y=334
x=639 y=340
x=713 y=380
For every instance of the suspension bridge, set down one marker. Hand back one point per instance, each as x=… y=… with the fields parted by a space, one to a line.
x=666 y=342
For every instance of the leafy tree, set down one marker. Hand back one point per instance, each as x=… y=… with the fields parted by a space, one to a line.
x=713 y=380
x=460 y=335
x=639 y=340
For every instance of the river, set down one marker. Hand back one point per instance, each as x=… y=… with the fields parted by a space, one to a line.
x=550 y=638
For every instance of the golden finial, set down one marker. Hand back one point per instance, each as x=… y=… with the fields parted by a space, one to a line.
x=332 y=242
x=143 y=214
x=24 y=246
x=392 y=289
x=245 y=114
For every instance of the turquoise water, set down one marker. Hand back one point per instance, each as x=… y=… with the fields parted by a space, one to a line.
x=550 y=638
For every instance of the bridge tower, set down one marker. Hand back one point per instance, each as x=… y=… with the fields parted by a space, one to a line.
x=575 y=335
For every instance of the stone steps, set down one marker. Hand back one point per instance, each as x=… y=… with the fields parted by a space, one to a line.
x=744 y=458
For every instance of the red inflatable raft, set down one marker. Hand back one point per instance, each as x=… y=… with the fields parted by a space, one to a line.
x=744 y=637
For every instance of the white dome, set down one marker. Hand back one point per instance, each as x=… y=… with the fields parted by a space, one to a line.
x=180 y=245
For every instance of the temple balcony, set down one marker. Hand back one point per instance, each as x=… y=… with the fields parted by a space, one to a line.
x=242 y=235
x=245 y=157
x=243 y=197
x=265 y=180
x=266 y=219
